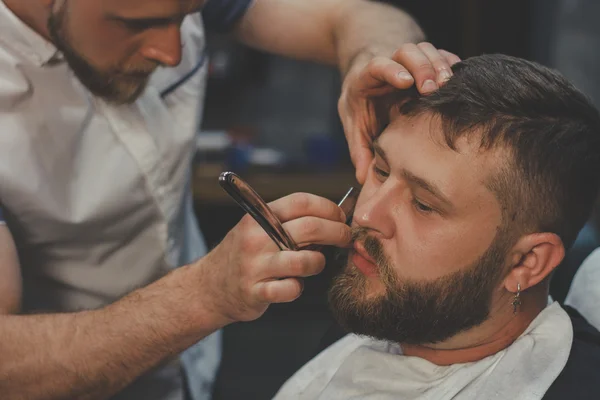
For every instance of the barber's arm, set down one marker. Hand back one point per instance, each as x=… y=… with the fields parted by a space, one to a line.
x=328 y=31
x=10 y=273
x=94 y=354
x=372 y=43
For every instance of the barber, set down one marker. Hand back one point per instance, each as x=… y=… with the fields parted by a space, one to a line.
x=99 y=105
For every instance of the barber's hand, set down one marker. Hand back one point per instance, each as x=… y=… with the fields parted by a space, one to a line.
x=369 y=77
x=246 y=272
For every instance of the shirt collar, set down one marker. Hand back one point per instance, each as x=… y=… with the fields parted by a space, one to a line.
x=20 y=38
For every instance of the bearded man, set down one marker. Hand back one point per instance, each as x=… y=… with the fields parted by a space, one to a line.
x=474 y=194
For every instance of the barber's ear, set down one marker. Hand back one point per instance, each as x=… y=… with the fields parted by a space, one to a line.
x=533 y=258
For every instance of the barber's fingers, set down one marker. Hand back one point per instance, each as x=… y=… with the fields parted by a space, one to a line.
x=381 y=76
x=438 y=61
x=451 y=58
x=291 y=264
x=313 y=230
x=418 y=64
x=278 y=291
x=304 y=204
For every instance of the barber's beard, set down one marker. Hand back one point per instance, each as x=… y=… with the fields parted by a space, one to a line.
x=118 y=86
x=415 y=312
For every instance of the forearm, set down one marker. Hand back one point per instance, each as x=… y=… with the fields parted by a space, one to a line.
x=94 y=354
x=329 y=31
x=368 y=29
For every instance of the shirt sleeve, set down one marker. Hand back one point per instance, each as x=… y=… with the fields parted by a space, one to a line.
x=222 y=15
x=1 y=217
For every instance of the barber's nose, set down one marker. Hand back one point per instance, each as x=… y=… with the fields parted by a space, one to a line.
x=375 y=211
x=164 y=47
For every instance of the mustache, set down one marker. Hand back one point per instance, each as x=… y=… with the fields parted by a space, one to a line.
x=372 y=245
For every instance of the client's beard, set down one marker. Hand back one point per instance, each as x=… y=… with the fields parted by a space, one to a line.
x=113 y=86
x=415 y=312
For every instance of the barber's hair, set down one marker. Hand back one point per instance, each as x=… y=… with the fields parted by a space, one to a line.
x=550 y=130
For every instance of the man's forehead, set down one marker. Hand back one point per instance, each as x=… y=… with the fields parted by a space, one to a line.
x=418 y=145
x=429 y=126
x=153 y=8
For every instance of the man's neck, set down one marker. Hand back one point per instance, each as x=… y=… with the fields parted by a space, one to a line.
x=33 y=13
x=494 y=335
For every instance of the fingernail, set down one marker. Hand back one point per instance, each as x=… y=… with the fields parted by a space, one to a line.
x=405 y=76
x=445 y=75
x=429 y=86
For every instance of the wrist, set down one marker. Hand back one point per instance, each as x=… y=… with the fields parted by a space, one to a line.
x=199 y=304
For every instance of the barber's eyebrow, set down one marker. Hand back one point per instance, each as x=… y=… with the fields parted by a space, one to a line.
x=424 y=184
x=144 y=21
x=151 y=20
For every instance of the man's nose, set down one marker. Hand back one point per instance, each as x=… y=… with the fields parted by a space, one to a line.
x=164 y=46
x=376 y=211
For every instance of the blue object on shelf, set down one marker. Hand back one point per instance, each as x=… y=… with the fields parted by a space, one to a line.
x=238 y=156
x=322 y=151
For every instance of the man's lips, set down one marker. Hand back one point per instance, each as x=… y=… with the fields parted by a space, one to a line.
x=363 y=261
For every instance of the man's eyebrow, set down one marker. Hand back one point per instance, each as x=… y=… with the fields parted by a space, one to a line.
x=414 y=179
x=428 y=186
x=379 y=151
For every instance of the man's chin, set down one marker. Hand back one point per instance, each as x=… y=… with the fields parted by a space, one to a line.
x=365 y=287
x=123 y=91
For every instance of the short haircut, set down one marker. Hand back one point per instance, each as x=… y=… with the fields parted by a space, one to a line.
x=550 y=130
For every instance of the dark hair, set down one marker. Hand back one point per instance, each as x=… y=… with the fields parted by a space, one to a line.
x=550 y=129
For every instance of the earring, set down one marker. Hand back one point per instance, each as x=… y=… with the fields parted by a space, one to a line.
x=516 y=303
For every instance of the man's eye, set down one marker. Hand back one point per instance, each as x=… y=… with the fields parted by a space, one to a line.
x=380 y=172
x=422 y=207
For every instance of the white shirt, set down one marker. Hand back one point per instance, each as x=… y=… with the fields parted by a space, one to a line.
x=359 y=367
x=97 y=196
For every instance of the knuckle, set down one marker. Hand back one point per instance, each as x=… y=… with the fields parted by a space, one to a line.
x=405 y=48
x=296 y=266
x=310 y=228
x=441 y=66
x=269 y=293
x=317 y=263
x=301 y=201
x=246 y=289
x=425 y=68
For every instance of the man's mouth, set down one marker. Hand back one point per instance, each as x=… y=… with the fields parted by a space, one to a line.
x=362 y=260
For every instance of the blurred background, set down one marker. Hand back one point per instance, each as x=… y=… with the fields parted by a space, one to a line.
x=274 y=121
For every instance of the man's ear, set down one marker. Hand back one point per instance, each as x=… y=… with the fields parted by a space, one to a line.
x=532 y=259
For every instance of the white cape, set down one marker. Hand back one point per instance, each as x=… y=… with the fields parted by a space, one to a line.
x=358 y=367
